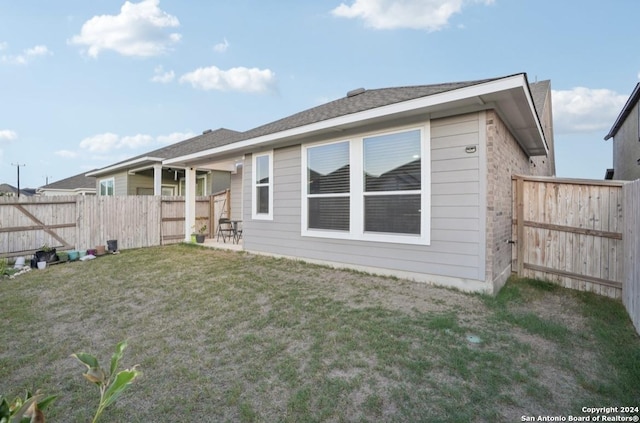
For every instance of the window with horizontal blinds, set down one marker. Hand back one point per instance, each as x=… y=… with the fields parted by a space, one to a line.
x=373 y=187
x=328 y=186
x=392 y=181
x=392 y=162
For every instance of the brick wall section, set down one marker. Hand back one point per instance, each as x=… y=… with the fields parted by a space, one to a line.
x=504 y=158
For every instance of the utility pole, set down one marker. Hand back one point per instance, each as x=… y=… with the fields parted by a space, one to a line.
x=18 y=165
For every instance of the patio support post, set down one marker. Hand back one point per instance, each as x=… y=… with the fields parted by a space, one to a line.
x=189 y=202
x=157 y=179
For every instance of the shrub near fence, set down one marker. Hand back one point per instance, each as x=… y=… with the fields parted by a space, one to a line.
x=83 y=222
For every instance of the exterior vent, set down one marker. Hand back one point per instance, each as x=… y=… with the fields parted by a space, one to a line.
x=206 y=131
x=355 y=92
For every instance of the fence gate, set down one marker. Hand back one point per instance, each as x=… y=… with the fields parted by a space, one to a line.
x=28 y=224
x=569 y=231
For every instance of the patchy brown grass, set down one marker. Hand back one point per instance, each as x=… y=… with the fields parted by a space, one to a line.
x=222 y=336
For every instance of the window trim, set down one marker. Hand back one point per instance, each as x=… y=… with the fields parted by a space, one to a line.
x=254 y=213
x=106 y=181
x=357 y=192
x=181 y=190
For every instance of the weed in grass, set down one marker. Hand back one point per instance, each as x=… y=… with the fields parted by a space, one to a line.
x=537 y=325
x=247 y=413
x=373 y=406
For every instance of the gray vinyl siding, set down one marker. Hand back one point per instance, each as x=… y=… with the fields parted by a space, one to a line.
x=626 y=148
x=119 y=183
x=455 y=249
x=139 y=181
x=220 y=181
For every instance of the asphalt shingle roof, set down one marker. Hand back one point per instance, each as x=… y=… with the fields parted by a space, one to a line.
x=208 y=139
x=73 y=182
x=362 y=100
x=368 y=99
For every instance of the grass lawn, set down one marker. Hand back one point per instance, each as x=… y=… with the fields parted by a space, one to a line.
x=224 y=336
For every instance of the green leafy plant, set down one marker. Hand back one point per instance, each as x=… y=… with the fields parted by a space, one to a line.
x=46 y=248
x=112 y=384
x=27 y=410
x=201 y=230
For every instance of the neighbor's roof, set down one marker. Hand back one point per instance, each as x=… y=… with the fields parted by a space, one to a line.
x=631 y=102
x=206 y=140
x=539 y=92
x=73 y=182
x=10 y=188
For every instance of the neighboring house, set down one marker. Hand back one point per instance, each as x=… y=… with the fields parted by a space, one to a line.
x=146 y=175
x=411 y=181
x=626 y=140
x=11 y=191
x=73 y=185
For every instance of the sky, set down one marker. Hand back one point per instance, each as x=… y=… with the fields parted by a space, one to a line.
x=85 y=84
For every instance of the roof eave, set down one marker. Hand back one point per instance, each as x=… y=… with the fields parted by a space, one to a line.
x=504 y=93
x=633 y=99
x=124 y=165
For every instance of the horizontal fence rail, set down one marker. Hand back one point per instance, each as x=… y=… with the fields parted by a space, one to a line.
x=569 y=232
x=84 y=222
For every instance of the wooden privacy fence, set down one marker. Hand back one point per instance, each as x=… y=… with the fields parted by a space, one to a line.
x=83 y=222
x=631 y=237
x=569 y=232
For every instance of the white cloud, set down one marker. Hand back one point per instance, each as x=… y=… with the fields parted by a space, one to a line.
x=3 y=45
x=252 y=80
x=221 y=47
x=135 y=141
x=108 y=142
x=583 y=109
x=7 y=135
x=430 y=15
x=27 y=55
x=138 y=30
x=101 y=142
x=161 y=76
x=67 y=154
x=175 y=137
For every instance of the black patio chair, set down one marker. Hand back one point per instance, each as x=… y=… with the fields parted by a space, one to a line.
x=225 y=229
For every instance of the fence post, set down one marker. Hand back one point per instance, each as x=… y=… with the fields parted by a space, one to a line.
x=520 y=224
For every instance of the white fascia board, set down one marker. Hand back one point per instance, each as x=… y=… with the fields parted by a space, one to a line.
x=124 y=165
x=507 y=83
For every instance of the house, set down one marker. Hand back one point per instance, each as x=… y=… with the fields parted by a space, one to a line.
x=73 y=185
x=146 y=175
x=413 y=182
x=11 y=191
x=626 y=140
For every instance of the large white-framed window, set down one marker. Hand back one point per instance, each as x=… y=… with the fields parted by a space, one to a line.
x=107 y=186
x=262 y=186
x=373 y=187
